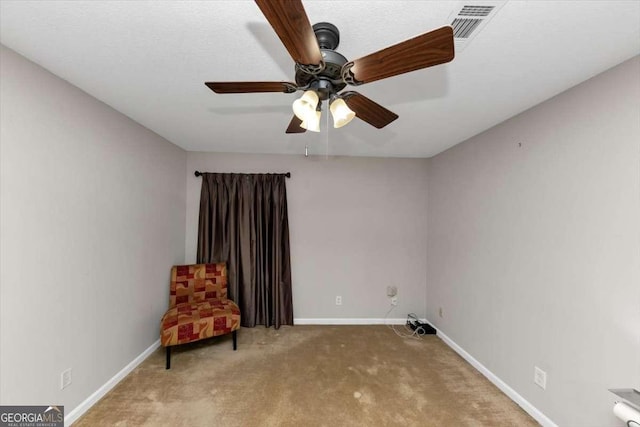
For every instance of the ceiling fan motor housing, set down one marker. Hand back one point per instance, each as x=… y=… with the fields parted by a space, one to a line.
x=329 y=81
x=327 y=34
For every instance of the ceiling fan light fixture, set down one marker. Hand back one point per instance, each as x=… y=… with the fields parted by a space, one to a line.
x=305 y=105
x=341 y=113
x=312 y=121
x=322 y=72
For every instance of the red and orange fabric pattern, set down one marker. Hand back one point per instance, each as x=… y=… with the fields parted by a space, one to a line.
x=199 y=307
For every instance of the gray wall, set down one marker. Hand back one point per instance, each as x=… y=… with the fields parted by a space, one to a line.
x=534 y=250
x=92 y=218
x=357 y=225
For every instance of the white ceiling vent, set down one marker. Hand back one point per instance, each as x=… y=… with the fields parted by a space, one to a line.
x=462 y=28
x=469 y=18
x=475 y=10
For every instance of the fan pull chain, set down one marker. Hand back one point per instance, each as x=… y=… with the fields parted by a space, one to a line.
x=326 y=116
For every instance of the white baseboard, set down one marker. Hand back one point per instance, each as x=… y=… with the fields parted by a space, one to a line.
x=79 y=410
x=350 y=321
x=513 y=395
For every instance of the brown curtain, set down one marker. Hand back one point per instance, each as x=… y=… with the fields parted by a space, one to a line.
x=243 y=221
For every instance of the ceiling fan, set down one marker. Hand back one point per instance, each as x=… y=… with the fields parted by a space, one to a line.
x=322 y=73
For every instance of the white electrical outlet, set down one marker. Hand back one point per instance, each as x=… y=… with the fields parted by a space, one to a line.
x=540 y=377
x=392 y=291
x=394 y=300
x=338 y=300
x=65 y=379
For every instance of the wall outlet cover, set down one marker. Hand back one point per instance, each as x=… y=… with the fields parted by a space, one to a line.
x=65 y=379
x=540 y=377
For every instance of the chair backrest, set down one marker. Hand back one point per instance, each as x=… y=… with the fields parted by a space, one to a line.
x=197 y=282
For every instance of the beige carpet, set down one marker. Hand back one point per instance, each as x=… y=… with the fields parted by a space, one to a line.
x=308 y=376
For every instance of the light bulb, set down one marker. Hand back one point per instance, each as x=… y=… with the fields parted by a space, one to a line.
x=306 y=104
x=341 y=113
x=312 y=122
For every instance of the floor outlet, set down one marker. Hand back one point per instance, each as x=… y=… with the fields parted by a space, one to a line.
x=540 y=377
x=338 y=300
x=65 y=379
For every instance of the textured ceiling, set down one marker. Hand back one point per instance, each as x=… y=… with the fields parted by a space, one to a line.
x=149 y=60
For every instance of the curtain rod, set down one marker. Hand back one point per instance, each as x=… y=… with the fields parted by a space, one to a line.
x=198 y=173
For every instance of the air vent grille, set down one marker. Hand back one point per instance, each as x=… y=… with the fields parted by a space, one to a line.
x=470 y=17
x=463 y=27
x=476 y=10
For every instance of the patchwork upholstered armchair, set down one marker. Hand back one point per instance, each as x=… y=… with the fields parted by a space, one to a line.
x=198 y=306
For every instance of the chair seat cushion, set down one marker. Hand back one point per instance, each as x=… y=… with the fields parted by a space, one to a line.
x=193 y=321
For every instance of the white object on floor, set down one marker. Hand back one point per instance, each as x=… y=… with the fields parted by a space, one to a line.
x=626 y=413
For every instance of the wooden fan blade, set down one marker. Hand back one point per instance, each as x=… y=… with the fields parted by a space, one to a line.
x=251 y=87
x=371 y=112
x=294 y=126
x=290 y=22
x=432 y=48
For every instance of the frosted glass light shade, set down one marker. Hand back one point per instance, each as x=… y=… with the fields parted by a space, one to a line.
x=305 y=105
x=312 y=122
x=341 y=113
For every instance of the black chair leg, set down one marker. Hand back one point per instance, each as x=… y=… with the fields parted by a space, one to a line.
x=168 y=357
x=235 y=341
